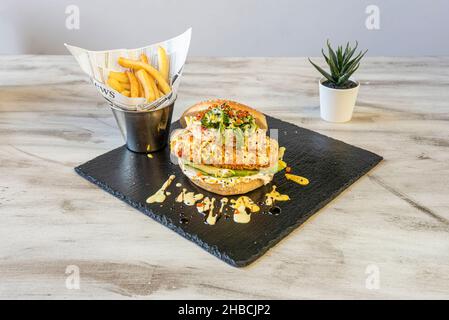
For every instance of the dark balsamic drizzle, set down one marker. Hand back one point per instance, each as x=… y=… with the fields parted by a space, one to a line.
x=275 y=210
x=184 y=220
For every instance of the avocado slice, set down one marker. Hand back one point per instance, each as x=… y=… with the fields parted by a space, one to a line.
x=223 y=173
x=212 y=171
x=243 y=173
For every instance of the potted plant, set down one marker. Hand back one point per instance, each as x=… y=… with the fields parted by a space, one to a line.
x=338 y=90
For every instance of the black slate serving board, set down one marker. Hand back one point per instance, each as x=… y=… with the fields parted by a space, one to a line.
x=329 y=164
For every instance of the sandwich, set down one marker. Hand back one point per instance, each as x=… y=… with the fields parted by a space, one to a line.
x=223 y=147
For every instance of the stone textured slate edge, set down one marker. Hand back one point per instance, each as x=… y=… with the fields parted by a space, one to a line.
x=164 y=220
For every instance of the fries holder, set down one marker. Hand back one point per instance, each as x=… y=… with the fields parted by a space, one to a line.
x=145 y=131
x=144 y=126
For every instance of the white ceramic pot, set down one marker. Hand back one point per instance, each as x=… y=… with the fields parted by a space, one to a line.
x=337 y=105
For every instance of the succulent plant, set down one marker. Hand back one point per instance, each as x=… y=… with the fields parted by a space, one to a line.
x=342 y=64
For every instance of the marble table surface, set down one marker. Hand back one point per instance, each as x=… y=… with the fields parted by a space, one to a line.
x=387 y=236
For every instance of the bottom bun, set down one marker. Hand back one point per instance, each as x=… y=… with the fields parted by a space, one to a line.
x=239 y=188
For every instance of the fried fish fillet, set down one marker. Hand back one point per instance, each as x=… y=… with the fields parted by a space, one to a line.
x=252 y=153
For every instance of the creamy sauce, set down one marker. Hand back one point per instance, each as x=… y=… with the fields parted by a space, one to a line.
x=243 y=206
x=160 y=195
x=178 y=185
x=240 y=206
x=203 y=206
x=211 y=217
x=241 y=216
x=188 y=198
x=223 y=202
x=298 y=179
x=207 y=207
x=180 y=197
x=275 y=196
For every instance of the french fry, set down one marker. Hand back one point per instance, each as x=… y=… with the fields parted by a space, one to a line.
x=126 y=93
x=119 y=76
x=164 y=64
x=115 y=84
x=144 y=58
x=136 y=65
x=133 y=84
x=146 y=81
x=126 y=86
x=141 y=92
x=155 y=89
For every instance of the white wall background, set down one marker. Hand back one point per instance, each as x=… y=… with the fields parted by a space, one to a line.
x=227 y=27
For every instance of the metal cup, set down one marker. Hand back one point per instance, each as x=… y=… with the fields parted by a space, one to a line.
x=147 y=130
